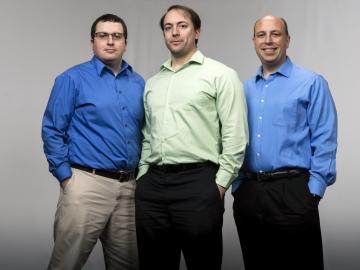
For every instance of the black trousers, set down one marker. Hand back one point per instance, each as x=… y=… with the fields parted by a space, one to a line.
x=278 y=224
x=179 y=212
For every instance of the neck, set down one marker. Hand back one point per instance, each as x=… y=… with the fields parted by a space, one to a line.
x=178 y=60
x=269 y=69
x=266 y=72
x=114 y=66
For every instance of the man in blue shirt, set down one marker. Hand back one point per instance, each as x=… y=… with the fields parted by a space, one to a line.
x=92 y=140
x=290 y=159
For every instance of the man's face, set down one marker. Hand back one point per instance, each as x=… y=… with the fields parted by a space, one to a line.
x=109 y=49
x=179 y=33
x=271 y=41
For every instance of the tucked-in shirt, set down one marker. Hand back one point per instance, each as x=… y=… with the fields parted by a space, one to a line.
x=293 y=123
x=196 y=113
x=94 y=118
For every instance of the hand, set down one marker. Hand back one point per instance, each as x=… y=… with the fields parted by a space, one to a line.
x=222 y=191
x=316 y=197
x=64 y=183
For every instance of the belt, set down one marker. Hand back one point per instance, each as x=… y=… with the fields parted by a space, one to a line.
x=280 y=173
x=174 y=168
x=121 y=176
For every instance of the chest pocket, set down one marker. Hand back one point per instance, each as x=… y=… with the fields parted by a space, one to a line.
x=286 y=114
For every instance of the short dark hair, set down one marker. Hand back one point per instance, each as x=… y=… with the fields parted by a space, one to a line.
x=108 y=18
x=194 y=17
x=282 y=19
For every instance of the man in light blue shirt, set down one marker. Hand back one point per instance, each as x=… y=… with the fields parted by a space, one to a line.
x=290 y=160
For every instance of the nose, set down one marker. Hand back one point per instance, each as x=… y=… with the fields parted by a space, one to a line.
x=110 y=40
x=175 y=31
x=268 y=39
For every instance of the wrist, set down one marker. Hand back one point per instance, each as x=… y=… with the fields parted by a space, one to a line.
x=316 y=196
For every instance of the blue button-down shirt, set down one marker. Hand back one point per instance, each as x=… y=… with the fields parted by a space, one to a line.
x=94 y=118
x=293 y=123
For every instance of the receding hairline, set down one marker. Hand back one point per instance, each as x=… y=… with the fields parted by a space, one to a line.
x=187 y=12
x=184 y=12
x=274 y=17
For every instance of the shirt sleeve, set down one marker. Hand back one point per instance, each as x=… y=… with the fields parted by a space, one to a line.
x=322 y=119
x=232 y=111
x=146 y=150
x=56 y=120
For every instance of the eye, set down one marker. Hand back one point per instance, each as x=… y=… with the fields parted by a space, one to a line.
x=260 y=35
x=276 y=34
x=117 y=35
x=101 y=34
x=183 y=26
x=167 y=28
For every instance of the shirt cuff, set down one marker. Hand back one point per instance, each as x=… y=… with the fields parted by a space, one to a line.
x=316 y=187
x=224 y=178
x=142 y=170
x=63 y=172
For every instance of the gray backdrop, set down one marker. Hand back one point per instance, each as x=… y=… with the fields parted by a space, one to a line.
x=40 y=39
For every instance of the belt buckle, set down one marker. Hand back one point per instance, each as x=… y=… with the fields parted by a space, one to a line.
x=124 y=175
x=121 y=173
x=261 y=176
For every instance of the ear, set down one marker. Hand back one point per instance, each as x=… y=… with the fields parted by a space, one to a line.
x=287 y=42
x=197 y=34
x=92 y=44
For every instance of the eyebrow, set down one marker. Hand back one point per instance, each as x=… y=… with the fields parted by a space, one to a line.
x=271 y=31
x=169 y=23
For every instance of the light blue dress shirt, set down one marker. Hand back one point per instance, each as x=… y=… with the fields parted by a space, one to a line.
x=292 y=123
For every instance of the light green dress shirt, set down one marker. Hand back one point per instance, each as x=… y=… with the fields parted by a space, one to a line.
x=196 y=113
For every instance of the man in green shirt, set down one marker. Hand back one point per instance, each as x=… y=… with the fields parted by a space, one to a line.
x=194 y=144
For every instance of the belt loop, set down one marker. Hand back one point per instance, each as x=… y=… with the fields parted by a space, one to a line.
x=93 y=171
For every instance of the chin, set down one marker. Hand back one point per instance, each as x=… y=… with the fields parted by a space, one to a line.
x=269 y=60
x=178 y=52
x=110 y=59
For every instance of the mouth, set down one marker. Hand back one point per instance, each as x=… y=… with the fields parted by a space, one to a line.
x=175 y=42
x=269 y=50
x=110 y=50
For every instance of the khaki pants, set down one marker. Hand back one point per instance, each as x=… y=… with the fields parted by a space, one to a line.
x=93 y=207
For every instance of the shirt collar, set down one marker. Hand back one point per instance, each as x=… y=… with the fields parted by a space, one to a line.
x=197 y=57
x=284 y=69
x=100 y=66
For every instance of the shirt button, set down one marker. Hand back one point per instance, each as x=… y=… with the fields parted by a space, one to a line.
x=126 y=125
x=123 y=108
x=266 y=85
x=260 y=117
x=258 y=154
x=259 y=135
x=262 y=101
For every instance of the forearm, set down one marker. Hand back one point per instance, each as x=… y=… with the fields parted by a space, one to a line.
x=323 y=127
x=57 y=117
x=232 y=110
x=145 y=153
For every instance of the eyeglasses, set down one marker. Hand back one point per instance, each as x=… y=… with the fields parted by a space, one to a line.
x=105 y=35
